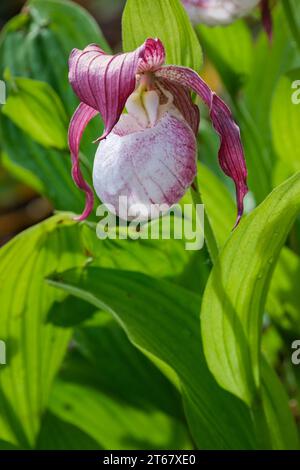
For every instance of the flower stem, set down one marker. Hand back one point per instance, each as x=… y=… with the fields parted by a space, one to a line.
x=210 y=239
x=291 y=21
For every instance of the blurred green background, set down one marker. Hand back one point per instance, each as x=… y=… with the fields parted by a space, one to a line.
x=20 y=205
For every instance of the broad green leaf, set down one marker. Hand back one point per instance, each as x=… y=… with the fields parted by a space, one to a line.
x=36 y=109
x=166 y=20
x=34 y=349
x=163 y=321
x=35 y=346
x=136 y=381
x=235 y=295
x=231 y=51
x=134 y=398
x=285 y=118
x=159 y=258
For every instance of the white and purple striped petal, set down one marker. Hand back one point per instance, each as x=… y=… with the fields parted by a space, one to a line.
x=149 y=167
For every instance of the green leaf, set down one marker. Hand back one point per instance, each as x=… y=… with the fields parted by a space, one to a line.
x=111 y=423
x=34 y=349
x=231 y=51
x=37 y=109
x=166 y=20
x=49 y=169
x=285 y=126
x=164 y=322
x=235 y=295
x=136 y=381
x=133 y=397
x=159 y=258
x=35 y=346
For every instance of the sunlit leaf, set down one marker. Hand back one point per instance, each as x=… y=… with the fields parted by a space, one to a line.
x=34 y=349
x=235 y=295
x=36 y=109
x=166 y=20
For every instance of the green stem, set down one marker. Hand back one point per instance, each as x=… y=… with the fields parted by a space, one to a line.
x=291 y=21
x=210 y=239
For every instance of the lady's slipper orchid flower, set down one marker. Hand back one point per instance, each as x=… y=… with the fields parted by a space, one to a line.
x=223 y=12
x=149 y=154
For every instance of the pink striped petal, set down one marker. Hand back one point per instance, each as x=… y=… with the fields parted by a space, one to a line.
x=79 y=121
x=153 y=56
x=231 y=154
x=267 y=18
x=103 y=81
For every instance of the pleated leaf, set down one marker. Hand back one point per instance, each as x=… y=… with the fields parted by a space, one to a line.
x=163 y=321
x=235 y=295
x=166 y=20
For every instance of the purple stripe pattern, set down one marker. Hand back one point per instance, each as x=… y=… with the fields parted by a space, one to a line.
x=161 y=111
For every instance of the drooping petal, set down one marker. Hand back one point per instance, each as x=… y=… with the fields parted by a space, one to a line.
x=267 y=18
x=148 y=167
x=104 y=81
x=79 y=121
x=231 y=154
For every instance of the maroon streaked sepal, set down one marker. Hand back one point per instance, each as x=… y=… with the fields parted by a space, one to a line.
x=231 y=154
x=79 y=121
